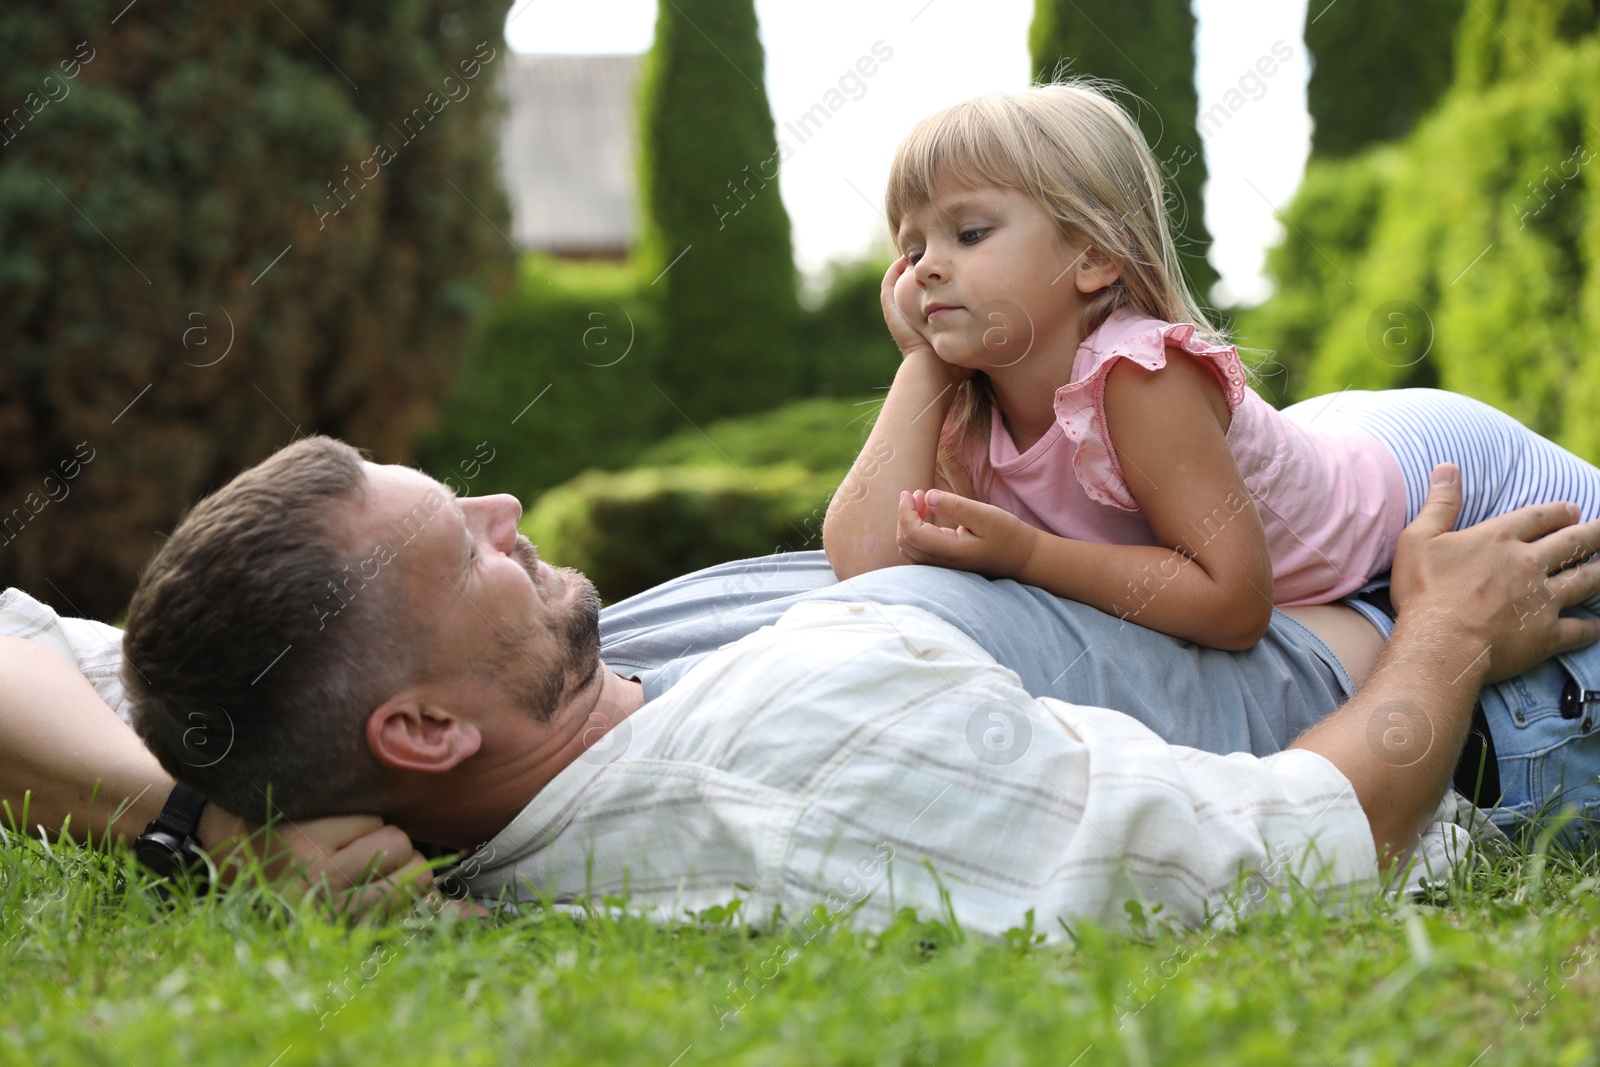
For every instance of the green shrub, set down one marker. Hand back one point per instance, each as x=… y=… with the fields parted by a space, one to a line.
x=821 y=435
x=581 y=343
x=1326 y=234
x=1468 y=255
x=219 y=235
x=744 y=487
x=844 y=345
x=634 y=529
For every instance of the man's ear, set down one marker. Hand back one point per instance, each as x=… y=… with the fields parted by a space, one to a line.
x=407 y=733
x=1094 y=271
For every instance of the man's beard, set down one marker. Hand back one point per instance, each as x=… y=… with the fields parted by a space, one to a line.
x=578 y=631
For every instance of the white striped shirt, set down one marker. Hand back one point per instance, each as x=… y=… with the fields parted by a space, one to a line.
x=871 y=756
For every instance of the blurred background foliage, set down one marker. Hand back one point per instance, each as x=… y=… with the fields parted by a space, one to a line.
x=684 y=406
x=143 y=214
x=1464 y=254
x=1146 y=49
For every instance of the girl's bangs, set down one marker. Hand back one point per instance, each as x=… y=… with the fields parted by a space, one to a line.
x=950 y=150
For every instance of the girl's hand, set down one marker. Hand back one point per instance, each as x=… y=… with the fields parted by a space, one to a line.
x=905 y=335
x=985 y=539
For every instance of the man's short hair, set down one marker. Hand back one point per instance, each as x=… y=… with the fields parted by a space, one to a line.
x=253 y=660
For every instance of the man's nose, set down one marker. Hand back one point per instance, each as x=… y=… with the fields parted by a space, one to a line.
x=499 y=514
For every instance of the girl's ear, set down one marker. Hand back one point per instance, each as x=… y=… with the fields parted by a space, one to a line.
x=1094 y=271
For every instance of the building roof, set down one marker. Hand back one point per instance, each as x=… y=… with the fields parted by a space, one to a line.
x=567 y=152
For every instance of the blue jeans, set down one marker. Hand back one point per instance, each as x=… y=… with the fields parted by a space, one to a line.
x=1549 y=754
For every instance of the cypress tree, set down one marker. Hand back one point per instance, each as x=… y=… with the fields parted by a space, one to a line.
x=1147 y=47
x=1502 y=39
x=1466 y=254
x=1377 y=66
x=224 y=226
x=716 y=246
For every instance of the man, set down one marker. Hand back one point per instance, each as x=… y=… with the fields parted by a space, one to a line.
x=373 y=645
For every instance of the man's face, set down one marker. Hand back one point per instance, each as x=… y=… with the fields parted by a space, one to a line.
x=502 y=623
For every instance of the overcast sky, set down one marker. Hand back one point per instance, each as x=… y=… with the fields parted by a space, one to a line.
x=944 y=51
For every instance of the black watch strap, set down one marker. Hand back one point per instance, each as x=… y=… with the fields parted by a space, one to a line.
x=170 y=845
x=180 y=816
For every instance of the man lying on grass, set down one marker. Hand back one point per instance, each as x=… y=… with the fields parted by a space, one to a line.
x=348 y=638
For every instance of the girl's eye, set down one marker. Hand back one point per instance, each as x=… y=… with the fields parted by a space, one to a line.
x=969 y=237
x=912 y=257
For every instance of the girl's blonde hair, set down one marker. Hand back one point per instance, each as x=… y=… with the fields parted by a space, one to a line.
x=1077 y=153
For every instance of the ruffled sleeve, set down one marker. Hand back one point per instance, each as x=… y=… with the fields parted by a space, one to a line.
x=1081 y=406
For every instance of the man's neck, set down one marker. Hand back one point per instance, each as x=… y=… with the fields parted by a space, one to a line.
x=473 y=803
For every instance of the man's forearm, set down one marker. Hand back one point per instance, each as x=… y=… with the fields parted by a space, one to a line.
x=1397 y=740
x=69 y=754
x=1475 y=605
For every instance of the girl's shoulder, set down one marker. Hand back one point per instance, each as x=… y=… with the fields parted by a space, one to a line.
x=1127 y=334
x=1080 y=405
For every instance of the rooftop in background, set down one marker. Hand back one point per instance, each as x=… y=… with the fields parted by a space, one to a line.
x=567 y=153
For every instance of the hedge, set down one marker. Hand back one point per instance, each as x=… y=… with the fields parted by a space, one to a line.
x=744 y=487
x=1468 y=255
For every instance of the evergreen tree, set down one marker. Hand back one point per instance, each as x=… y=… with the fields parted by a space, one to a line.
x=716 y=244
x=1147 y=47
x=1377 y=66
x=1466 y=254
x=1502 y=39
x=224 y=226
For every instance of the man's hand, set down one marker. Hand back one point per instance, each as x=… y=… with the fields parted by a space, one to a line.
x=1502 y=583
x=1474 y=605
x=359 y=862
x=983 y=539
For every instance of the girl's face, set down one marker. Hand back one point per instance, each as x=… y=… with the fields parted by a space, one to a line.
x=992 y=282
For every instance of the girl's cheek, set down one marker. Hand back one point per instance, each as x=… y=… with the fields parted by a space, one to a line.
x=905 y=294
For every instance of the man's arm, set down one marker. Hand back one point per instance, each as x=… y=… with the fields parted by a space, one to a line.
x=69 y=758
x=1475 y=606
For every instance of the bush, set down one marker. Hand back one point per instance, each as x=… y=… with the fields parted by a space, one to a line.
x=1328 y=228
x=581 y=343
x=745 y=487
x=844 y=345
x=821 y=435
x=635 y=529
x=207 y=252
x=1377 y=66
x=1470 y=253
x=591 y=333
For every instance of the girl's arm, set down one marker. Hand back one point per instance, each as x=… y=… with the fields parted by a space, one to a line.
x=1210 y=584
x=858 y=533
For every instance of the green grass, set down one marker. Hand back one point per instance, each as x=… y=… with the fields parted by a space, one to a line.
x=1498 y=970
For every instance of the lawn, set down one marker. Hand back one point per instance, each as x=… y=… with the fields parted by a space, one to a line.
x=1497 y=969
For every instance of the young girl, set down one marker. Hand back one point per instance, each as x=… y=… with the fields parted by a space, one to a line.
x=1066 y=410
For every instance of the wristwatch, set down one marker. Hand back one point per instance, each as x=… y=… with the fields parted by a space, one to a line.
x=169 y=845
